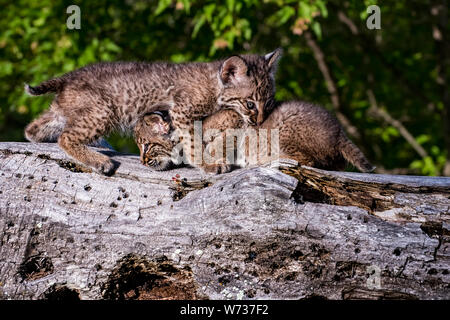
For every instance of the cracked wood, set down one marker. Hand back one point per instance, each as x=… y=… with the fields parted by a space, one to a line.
x=68 y=233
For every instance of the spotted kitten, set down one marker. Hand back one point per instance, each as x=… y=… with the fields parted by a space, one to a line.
x=307 y=134
x=93 y=101
x=152 y=135
x=313 y=137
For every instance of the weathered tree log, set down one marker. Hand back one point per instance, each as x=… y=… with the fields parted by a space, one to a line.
x=258 y=233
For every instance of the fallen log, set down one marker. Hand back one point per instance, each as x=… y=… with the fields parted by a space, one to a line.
x=256 y=233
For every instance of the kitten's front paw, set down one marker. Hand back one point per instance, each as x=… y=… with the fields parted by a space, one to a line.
x=107 y=167
x=174 y=136
x=217 y=168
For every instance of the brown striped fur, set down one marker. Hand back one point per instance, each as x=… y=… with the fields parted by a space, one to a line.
x=94 y=100
x=307 y=134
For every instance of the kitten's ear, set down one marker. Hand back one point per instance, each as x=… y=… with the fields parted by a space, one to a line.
x=272 y=60
x=233 y=70
x=156 y=123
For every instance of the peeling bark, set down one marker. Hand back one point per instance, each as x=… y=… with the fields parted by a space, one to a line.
x=257 y=233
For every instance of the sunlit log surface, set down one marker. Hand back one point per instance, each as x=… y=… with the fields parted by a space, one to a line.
x=258 y=233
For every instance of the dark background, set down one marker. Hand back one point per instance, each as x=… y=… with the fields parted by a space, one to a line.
x=388 y=87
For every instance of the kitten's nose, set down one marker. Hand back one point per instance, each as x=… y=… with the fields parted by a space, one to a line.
x=260 y=118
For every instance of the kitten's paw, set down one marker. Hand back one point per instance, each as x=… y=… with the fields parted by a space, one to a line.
x=174 y=136
x=224 y=168
x=107 y=167
x=217 y=168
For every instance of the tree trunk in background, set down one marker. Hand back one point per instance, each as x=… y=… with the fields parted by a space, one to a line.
x=257 y=233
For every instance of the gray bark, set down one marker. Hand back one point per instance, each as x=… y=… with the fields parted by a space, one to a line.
x=256 y=233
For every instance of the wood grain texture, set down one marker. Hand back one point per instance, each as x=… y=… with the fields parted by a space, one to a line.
x=256 y=233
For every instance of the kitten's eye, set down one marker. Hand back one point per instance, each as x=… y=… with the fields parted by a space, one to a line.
x=251 y=105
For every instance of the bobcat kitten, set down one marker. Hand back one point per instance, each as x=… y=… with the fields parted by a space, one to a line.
x=92 y=101
x=152 y=135
x=307 y=134
x=313 y=137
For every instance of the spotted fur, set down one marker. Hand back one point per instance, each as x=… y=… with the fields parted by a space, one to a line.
x=307 y=134
x=152 y=135
x=95 y=100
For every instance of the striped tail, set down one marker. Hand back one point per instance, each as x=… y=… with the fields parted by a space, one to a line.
x=53 y=85
x=352 y=154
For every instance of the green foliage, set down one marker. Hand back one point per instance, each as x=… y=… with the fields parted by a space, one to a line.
x=398 y=62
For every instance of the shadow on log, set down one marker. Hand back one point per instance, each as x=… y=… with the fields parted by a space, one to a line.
x=257 y=233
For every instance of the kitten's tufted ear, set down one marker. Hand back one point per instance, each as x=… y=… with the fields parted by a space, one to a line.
x=272 y=59
x=233 y=71
x=156 y=123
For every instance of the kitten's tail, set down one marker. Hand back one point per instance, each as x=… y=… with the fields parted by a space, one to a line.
x=352 y=154
x=53 y=85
